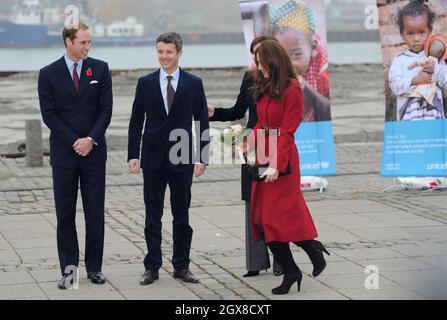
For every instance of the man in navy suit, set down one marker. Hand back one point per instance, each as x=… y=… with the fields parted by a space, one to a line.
x=75 y=95
x=166 y=102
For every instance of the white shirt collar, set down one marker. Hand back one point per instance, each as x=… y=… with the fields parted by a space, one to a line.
x=71 y=62
x=175 y=75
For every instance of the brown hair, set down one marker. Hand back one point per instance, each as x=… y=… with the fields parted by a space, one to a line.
x=275 y=61
x=260 y=39
x=71 y=33
x=171 y=37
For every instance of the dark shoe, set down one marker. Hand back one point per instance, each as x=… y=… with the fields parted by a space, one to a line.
x=96 y=277
x=148 y=277
x=63 y=285
x=314 y=250
x=185 y=275
x=287 y=282
x=251 y=274
x=278 y=273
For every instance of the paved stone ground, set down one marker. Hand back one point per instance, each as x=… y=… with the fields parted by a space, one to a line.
x=403 y=233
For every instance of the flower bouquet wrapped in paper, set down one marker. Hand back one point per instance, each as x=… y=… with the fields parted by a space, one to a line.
x=236 y=136
x=233 y=135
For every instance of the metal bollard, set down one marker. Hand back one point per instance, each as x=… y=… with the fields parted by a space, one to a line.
x=34 y=148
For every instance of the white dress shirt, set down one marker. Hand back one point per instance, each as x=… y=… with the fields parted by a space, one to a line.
x=164 y=84
x=70 y=63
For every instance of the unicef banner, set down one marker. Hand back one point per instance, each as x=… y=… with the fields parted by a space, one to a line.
x=415 y=148
x=300 y=27
x=414 y=50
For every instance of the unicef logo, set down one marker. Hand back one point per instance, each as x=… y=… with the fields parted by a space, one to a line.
x=325 y=164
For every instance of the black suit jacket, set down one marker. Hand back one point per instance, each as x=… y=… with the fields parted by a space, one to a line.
x=70 y=115
x=243 y=103
x=149 y=110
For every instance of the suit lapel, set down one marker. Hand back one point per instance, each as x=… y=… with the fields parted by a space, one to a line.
x=157 y=90
x=83 y=78
x=180 y=88
x=66 y=77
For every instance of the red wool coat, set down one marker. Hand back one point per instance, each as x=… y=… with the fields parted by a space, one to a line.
x=279 y=206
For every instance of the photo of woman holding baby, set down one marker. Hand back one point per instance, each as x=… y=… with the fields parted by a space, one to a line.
x=295 y=25
x=292 y=22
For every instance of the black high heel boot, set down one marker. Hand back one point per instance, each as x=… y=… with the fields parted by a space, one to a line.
x=287 y=283
x=277 y=269
x=292 y=273
x=314 y=250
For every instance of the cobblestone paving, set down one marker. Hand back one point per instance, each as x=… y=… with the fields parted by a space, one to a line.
x=359 y=223
x=401 y=232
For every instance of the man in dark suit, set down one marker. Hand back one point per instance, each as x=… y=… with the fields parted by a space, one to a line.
x=75 y=95
x=167 y=101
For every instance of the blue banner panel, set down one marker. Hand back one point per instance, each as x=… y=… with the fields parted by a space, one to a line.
x=415 y=148
x=315 y=144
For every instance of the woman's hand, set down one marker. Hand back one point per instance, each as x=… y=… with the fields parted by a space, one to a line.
x=210 y=111
x=271 y=174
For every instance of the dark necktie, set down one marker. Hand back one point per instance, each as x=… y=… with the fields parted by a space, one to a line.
x=75 y=77
x=171 y=93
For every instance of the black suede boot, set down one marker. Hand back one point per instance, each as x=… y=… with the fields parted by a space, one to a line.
x=282 y=254
x=314 y=250
x=277 y=269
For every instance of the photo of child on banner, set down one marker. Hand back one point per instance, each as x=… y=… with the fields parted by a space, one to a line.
x=302 y=32
x=428 y=93
x=414 y=49
x=292 y=23
x=418 y=74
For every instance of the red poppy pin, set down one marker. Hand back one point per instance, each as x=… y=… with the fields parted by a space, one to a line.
x=89 y=72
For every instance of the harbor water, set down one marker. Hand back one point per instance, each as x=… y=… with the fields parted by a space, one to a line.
x=194 y=56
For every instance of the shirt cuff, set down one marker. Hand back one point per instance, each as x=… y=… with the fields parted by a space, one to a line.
x=92 y=141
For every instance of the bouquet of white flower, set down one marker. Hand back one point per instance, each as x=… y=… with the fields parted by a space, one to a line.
x=235 y=136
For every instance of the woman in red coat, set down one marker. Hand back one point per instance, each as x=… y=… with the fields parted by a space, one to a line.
x=279 y=213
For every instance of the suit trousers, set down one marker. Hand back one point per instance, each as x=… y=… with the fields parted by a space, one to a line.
x=66 y=181
x=154 y=193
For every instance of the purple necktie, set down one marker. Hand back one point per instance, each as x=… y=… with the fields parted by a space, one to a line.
x=75 y=77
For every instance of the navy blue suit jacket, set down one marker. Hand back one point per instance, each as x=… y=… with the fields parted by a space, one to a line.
x=189 y=103
x=70 y=115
